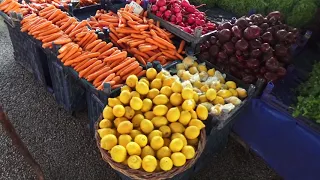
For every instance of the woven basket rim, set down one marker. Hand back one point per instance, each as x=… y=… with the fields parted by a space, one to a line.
x=140 y=174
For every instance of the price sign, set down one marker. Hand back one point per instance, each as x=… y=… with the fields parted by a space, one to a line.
x=137 y=9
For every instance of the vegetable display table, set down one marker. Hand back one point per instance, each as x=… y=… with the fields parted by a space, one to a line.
x=289 y=147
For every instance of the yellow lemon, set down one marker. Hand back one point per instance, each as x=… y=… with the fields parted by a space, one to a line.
x=176 y=145
x=180 y=66
x=204 y=88
x=117 y=121
x=142 y=88
x=160 y=110
x=149 y=115
x=166 y=142
x=153 y=93
x=224 y=93
x=242 y=93
x=166 y=90
x=197 y=84
x=153 y=134
x=124 y=139
x=176 y=87
x=196 y=122
x=149 y=163
x=166 y=131
x=125 y=97
x=231 y=84
x=202 y=112
x=192 y=132
x=188 y=105
x=151 y=73
x=145 y=80
x=125 y=127
x=176 y=99
x=193 y=114
x=135 y=94
x=113 y=102
x=134 y=133
x=105 y=123
x=180 y=136
x=203 y=98
x=159 y=121
x=176 y=127
x=218 y=100
x=107 y=113
x=193 y=70
x=188 y=152
x=118 y=153
x=118 y=111
x=202 y=67
x=108 y=142
x=146 y=105
x=156 y=142
x=163 y=152
x=136 y=120
x=178 y=159
x=166 y=164
x=146 y=126
x=136 y=103
x=134 y=162
x=234 y=92
x=195 y=96
x=185 y=117
x=129 y=112
x=125 y=87
x=168 y=81
x=132 y=80
x=173 y=114
x=193 y=142
x=147 y=150
x=160 y=75
x=141 y=139
x=160 y=99
x=211 y=72
x=133 y=148
x=211 y=94
x=156 y=83
x=105 y=131
x=187 y=93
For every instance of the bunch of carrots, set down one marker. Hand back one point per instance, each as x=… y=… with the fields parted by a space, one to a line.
x=11 y=5
x=140 y=36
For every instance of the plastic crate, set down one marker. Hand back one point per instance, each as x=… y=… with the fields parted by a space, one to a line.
x=68 y=91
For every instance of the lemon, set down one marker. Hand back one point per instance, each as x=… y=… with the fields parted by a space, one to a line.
x=193 y=70
x=105 y=123
x=163 y=152
x=242 y=93
x=176 y=145
x=147 y=150
x=146 y=105
x=133 y=148
x=176 y=87
x=218 y=100
x=193 y=114
x=135 y=94
x=145 y=80
x=234 y=92
x=211 y=72
x=151 y=73
x=192 y=132
x=193 y=142
x=173 y=114
x=211 y=94
x=118 y=153
x=188 y=105
x=187 y=93
x=166 y=90
x=176 y=99
x=108 y=142
x=113 y=101
x=129 y=112
x=231 y=84
x=117 y=121
x=107 y=113
x=160 y=110
x=202 y=67
x=160 y=75
x=204 y=88
x=160 y=99
x=149 y=115
x=166 y=142
x=134 y=162
x=195 y=96
x=197 y=84
x=196 y=122
x=168 y=81
x=124 y=139
x=156 y=83
x=188 y=152
x=156 y=142
x=153 y=134
x=202 y=112
x=185 y=117
x=146 y=126
x=136 y=103
x=224 y=93
x=134 y=133
x=149 y=163
x=125 y=127
x=118 y=111
x=105 y=131
x=166 y=164
x=176 y=127
x=159 y=121
x=153 y=93
x=136 y=120
x=132 y=80
x=125 y=97
x=142 y=88
x=179 y=136
x=166 y=131
x=203 y=98
x=141 y=140
x=178 y=159
x=125 y=87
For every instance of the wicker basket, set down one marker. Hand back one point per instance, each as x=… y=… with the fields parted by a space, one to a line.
x=140 y=174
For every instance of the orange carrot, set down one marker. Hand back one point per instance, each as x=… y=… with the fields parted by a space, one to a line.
x=163 y=42
x=83 y=57
x=83 y=72
x=154 y=57
x=94 y=69
x=85 y=65
x=98 y=46
x=181 y=46
x=121 y=55
x=131 y=67
x=106 y=47
x=149 y=40
x=136 y=71
x=142 y=73
x=62 y=41
x=93 y=76
x=93 y=44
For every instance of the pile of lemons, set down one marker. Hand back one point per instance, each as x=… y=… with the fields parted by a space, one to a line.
x=154 y=124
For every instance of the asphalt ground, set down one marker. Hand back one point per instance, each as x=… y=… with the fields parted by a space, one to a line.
x=62 y=143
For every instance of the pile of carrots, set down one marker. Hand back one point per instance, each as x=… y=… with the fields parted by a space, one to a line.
x=139 y=35
x=11 y=5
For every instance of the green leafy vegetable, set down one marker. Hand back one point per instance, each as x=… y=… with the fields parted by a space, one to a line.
x=302 y=13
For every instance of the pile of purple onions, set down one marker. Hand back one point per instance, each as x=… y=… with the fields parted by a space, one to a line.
x=251 y=47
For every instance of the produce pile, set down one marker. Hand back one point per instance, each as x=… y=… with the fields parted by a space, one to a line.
x=183 y=14
x=308 y=104
x=251 y=47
